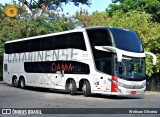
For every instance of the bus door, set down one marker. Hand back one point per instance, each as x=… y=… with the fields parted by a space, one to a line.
x=6 y=73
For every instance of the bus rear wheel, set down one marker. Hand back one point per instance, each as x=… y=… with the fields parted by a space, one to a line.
x=15 y=82
x=22 y=83
x=86 y=88
x=72 y=87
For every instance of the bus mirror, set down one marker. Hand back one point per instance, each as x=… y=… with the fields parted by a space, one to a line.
x=154 y=57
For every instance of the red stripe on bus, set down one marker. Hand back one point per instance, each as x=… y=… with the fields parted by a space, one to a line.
x=113 y=85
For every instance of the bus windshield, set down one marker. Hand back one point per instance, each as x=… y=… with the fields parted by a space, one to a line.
x=130 y=68
x=126 y=40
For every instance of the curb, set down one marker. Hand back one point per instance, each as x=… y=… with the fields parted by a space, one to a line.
x=1 y=82
x=152 y=92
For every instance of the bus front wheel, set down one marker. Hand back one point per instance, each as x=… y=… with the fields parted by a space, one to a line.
x=86 y=88
x=72 y=87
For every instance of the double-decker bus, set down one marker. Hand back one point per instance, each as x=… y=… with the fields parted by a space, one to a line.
x=105 y=60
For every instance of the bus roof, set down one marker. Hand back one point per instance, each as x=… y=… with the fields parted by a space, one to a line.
x=107 y=27
x=65 y=32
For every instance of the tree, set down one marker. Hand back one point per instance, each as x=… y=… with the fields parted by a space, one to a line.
x=34 y=6
x=96 y=19
x=149 y=6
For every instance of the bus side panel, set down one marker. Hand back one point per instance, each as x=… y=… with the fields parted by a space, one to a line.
x=7 y=78
x=44 y=80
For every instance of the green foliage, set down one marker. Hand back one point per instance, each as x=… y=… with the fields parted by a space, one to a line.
x=95 y=19
x=149 y=6
x=36 y=6
x=52 y=3
x=139 y=22
x=63 y=24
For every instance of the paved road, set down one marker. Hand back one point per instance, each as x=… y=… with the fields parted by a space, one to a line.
x=11 y=97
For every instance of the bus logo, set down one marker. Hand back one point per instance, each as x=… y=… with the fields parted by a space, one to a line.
x=6 y=111
x=11 y=11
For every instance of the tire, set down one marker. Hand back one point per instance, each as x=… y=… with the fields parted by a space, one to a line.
x=72 y=87
x=15 y=82
x=86 y=88
x=22 y=83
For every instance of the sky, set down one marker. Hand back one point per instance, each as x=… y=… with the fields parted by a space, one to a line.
x=97 y=5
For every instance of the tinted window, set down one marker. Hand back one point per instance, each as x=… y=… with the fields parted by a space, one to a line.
x=71 y=40
x=99 y=37
x=7 y=48
x=104 y=65
x=60 y=41
x=24 y=46
x=12 y=47
x=47 y=43
x=15 y=47
x=103 y=61
x=126 y=40
x=69 y=67
x=76 y=40
x=34 y=45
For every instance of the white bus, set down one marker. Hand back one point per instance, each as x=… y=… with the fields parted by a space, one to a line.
x=105 y=60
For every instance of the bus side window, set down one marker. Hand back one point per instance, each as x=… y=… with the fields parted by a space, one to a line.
x=47 y=43
x=106 y=65
x=99 y=37
x=76 y=40
x=35 y=45
x=24 y=46
x=5 y=67
x=10 y=48
x=16 y=47
x=60 y=41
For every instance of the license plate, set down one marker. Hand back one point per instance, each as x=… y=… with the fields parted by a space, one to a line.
x=133 y=92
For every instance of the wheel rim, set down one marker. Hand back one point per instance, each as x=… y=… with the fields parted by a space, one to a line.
x=70 y=87
x=22 y=83
x=15 y=82
x=84 y=88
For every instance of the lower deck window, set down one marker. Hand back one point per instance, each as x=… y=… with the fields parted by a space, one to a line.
x=69 y=67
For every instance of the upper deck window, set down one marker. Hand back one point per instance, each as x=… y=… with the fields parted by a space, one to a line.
x=73 y=40
x=99 y=37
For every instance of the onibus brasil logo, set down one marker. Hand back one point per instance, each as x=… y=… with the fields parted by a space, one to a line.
x=11 y=11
